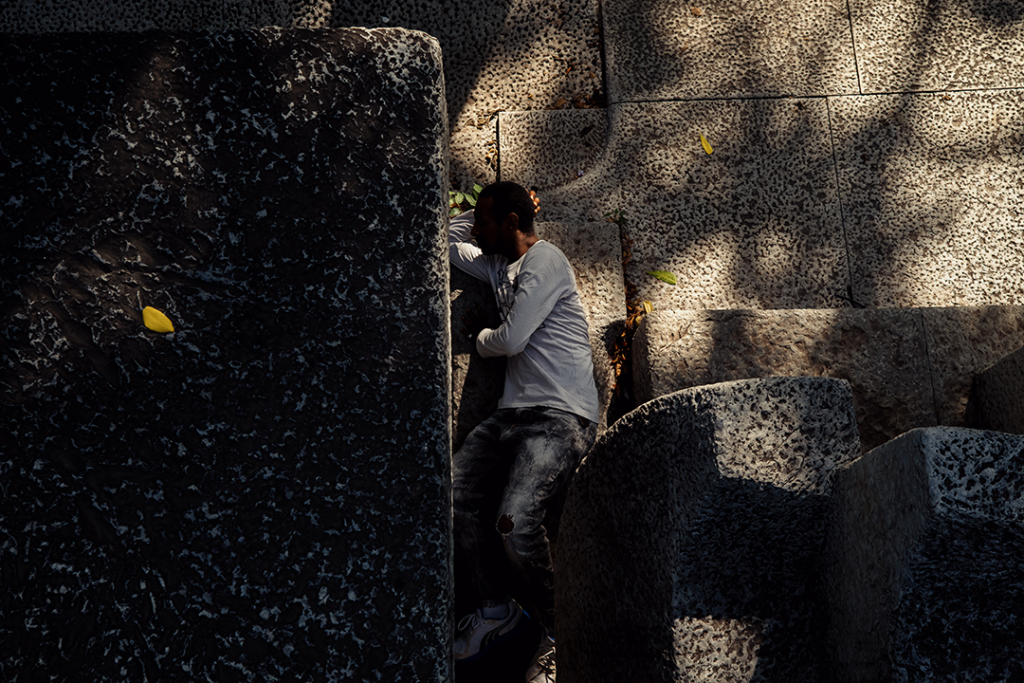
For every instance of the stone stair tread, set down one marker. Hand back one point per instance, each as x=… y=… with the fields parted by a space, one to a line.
x=909 y=367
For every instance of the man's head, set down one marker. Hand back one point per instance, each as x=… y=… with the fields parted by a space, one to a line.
x=502 y=210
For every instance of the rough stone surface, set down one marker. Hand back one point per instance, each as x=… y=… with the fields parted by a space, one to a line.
x=962 y=342
x=701 y=513
x=923 y=559
x=908 y=367
x=595 y=252
x=509 y=55
x=878 y=511
x=882 y=354
x=938 y=44
x=931 y=196
x=243 y=498
x=756 y=224
x=998 y=395
x=660 y=50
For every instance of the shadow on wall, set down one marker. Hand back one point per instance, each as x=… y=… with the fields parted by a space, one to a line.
x=747 y=597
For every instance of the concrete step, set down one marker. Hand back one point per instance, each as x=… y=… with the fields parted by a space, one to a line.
x=922 y=561
x=904 y=200
x=908 y=367
x=691 y=532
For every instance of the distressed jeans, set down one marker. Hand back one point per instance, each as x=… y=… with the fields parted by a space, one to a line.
x=509 y=480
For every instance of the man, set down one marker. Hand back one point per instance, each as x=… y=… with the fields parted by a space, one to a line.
x=514 y=468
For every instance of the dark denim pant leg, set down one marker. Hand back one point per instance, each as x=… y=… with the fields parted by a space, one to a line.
x=508 y=476
x=548 y=446
x=479 y=475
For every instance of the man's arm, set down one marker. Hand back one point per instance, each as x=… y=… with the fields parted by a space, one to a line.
x=541 y=285
x=464 y=253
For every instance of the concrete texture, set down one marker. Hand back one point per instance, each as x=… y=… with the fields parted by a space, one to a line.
x=998 y=395
x=881 y=353
x=701 y=513
x=922 y=559
x=931 y=196
x=244 y=497
x=962 y=343
x=594 y=250
x=756 y=224
x=908 y=367
x=906 y=45
x=510 y=55
x=658 y=50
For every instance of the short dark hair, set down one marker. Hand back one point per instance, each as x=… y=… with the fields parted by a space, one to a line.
x=511 y=198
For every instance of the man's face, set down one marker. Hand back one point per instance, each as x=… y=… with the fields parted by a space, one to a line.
x=486 y=230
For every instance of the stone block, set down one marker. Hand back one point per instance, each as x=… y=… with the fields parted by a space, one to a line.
x=243 y=497
x=931 y=197
x=595 y=253
x=906 y=45
x=925 y=536
x=724 y=48
x=998 y=395
x=513 y=55
x=962 y=343
x=755 y=224
x=691 y=532
x=908 y=367
x=882 y=354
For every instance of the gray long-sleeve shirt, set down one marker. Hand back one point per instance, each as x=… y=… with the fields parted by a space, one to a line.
x=543 y=330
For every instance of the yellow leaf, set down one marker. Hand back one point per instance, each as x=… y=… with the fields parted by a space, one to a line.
x=648 y=307
x=156 y=321
x=706 y=144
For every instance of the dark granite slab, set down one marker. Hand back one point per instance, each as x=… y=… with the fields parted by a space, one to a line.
x=262 y=494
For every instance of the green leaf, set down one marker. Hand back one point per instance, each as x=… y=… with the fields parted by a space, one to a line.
x=459 y=197
x=455 y=211
x=477 y=189
x=471 y=200
x=663 y=275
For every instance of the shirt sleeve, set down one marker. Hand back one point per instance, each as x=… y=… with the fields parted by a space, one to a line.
x=542 y=282
x=463 y=252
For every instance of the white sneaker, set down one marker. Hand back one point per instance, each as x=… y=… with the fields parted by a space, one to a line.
x=542 y=668
x=477 y=634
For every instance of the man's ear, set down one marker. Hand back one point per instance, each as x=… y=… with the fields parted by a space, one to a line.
x=512 y=221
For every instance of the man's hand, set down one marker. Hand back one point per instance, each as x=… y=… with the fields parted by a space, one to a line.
x=536 y=202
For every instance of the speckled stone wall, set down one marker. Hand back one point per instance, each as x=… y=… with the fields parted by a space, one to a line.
x=691 y=534
x=923 y=572
x=264 y=493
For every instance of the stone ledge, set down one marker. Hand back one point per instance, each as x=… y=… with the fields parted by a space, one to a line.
x=908 y=367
